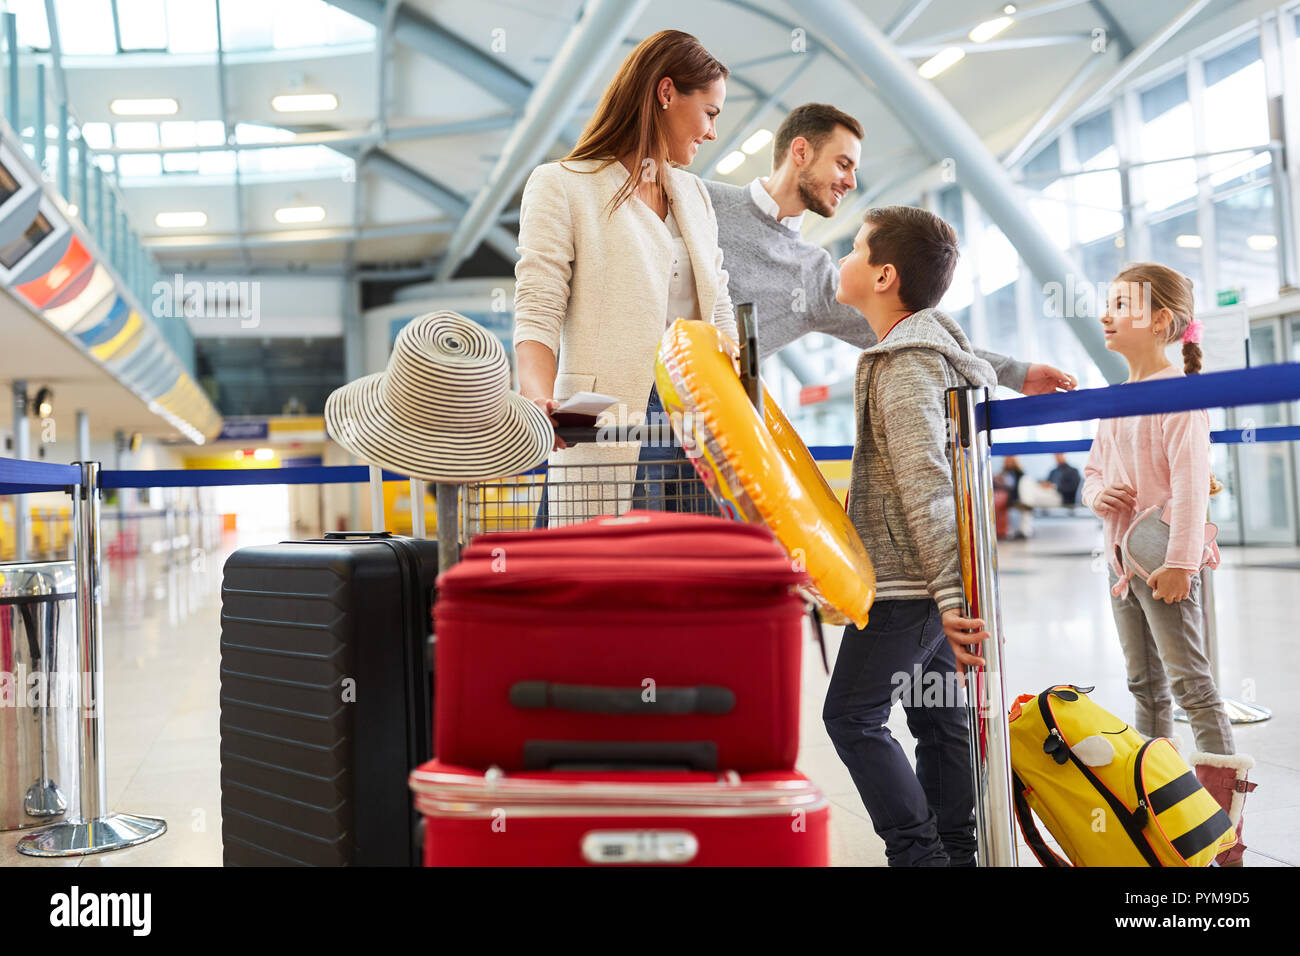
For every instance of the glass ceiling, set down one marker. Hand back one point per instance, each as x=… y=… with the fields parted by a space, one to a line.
x=106 y=27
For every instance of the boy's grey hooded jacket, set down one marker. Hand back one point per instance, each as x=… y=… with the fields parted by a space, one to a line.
x=901 y=497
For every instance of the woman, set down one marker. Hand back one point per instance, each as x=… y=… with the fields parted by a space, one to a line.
x=616 y=241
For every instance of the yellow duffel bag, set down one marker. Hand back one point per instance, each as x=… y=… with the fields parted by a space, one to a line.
x=1109 y=796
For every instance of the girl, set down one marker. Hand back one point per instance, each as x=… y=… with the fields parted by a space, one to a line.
x=1149 y=460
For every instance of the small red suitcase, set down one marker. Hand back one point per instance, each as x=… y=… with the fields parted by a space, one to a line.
x=652 y=640
x=571 y=818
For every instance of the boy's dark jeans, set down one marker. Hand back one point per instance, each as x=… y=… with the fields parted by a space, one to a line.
x=926 y=817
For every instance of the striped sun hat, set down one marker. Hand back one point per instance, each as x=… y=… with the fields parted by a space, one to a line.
x=443 y=410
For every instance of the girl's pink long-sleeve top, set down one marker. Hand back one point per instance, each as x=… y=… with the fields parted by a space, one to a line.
x=1165 y=459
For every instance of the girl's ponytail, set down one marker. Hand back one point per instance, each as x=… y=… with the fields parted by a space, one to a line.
x=1192 y=347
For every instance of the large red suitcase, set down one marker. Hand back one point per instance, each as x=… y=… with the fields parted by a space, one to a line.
x=571 y=818
x=652 y=639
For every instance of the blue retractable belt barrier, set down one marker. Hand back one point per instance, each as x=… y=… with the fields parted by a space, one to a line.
x=206 y=477
x=1265 y=385
x=19 y=477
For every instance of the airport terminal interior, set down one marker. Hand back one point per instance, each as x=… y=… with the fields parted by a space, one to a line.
x=216 y=213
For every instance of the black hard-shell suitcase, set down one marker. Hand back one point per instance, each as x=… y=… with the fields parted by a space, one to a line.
x=325 y=699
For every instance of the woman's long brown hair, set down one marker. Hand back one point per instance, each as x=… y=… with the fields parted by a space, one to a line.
x=628 y=121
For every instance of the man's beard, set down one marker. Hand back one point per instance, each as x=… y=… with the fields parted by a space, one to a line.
x=810 y=191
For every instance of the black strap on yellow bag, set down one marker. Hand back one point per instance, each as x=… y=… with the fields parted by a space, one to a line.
x=1030 y=829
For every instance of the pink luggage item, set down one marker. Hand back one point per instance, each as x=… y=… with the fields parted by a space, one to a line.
x=594 y=818
x=650 y=640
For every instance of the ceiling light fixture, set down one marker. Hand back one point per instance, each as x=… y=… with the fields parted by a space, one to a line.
x=160 y=106
x=1262 y=242
x=180 y=220
x=731 y=162
x=941 y=61
x=1188 y=241
x=298 y=214
x=304 y=102
x=989 y=29
x=757 y=141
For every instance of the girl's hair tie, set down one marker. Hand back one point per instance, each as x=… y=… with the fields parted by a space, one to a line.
x=1193 y=334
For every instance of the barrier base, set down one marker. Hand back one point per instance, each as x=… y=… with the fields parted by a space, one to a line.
x=82 y=837
x=1238 y=712
x=44 y=799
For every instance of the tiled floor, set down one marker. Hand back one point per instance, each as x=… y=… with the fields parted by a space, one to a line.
x=161 y=673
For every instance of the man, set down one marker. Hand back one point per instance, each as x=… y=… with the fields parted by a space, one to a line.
x=792 y=282
x=1066 y=478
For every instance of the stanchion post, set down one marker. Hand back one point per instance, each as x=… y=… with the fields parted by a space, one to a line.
x=92 y=829
x=986 y=706
x=447 y=502
x=377 y=498
x=22 y=451
x=417 y=508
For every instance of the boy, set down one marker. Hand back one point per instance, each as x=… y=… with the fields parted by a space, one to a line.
x=901 y=502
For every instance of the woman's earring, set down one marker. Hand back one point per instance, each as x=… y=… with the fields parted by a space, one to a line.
x=665 y=104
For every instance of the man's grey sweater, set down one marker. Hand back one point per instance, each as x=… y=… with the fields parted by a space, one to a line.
x=900 y=492
x=792 y=283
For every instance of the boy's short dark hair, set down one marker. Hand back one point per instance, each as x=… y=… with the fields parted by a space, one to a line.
x=920 y=245
x=814 y=122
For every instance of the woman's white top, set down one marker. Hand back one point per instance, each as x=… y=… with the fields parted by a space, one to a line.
x=682 y=300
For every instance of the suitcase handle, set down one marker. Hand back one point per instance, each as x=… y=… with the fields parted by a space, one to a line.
x=368 y=535
x=590 y=699
x=624 y=755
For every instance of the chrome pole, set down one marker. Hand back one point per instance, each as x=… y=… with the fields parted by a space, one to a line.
x=92 y=829
x=22 y=450
x=447 y=499
x=417 y=508
x=377 y=499
x=986 y=705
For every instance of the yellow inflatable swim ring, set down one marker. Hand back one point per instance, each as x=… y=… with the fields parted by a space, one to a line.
x=760 y=472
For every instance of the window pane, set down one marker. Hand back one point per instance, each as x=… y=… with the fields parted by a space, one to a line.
x=211 y=132
x=178 y=133
x=142 y=24
x=136 y=134
x=86 y=27
x=97 y=135
x=999 y=263
x=1045 y=162
x=1186 y=258
x=33 y=30
x=146 y=165
x=962 y=318
x=245 y=25
x=961 y=291
x=1236 y=110
x=191 y=26
x=1092 y=136
x=181 y=163
x=300 y=23
x=951 y=212
x=1166 y=132
x=1003 y=326
x=1246 y=243
x=345 y=28
x=258 y=133
x=1101 y=260
x=216 y=164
